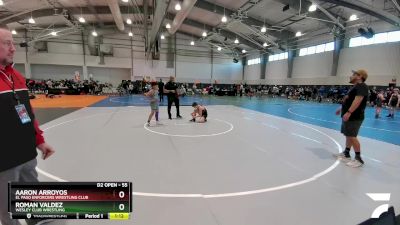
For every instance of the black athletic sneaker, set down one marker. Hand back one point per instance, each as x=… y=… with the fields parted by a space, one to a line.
x=192 y=120
x=359 y=159
x=357 y=162
x=179 y=117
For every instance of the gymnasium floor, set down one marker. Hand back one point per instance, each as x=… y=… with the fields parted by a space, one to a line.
x=258 y=161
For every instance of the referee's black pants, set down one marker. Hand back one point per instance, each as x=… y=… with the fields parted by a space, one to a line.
x=176 y=101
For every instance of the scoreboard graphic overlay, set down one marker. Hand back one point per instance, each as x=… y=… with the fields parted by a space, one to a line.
x=70 y=200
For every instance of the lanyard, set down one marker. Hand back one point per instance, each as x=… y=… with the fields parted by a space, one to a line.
x=12 y=86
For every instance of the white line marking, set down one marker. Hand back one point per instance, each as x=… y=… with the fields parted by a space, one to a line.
x=379 y=196
x=184 y=124
x=85 y=117
x=194 y=135
x=298 y=135
x=233 y=194
x=329 y=121
x=390 y=121
x=372 y=159
x=270 y=125
x=127 y=102
x=50 y=175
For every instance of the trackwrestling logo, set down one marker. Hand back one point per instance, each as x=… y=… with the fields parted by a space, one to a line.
x=379 y=197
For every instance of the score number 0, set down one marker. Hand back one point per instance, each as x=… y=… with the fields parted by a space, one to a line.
x=121 y=195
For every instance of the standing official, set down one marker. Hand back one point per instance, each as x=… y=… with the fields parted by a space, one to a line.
x=171 y=89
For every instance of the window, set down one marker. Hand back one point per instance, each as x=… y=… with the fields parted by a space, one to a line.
x=311 y=50
x=253 y=61
x=355 y=42
x=320 y=48
x=303 y=52
x=380 y=38
x=330 y=46
x=317 y=49
x=271 y=58
x=367 y=41
x=394 y=36
x=376 y=39
x=279 y=56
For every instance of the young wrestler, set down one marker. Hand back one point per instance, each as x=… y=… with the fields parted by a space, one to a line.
x=199 y=114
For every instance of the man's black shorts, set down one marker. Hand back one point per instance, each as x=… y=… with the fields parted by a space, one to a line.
x=351 y=128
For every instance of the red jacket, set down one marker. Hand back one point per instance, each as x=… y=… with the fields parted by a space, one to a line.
x=18 y=140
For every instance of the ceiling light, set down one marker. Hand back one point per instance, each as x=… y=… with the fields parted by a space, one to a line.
x=125 y=1
x=298 y=34
x=162 y=36
x=263 y=29
x=204 y=34
x=192 y=43
x=14 y=32
x=236 y=41
x=128 y=21
x=130 y=34
x=312 y=8
x=219 y=48
x=1 y=2
x=94 y=33
x=224 y=19
x=244 y=51
x=178 y=6
x=353 y=17
x=82 y=20
x=168 y=26
x=265 y=44
x=54 y=33
x=31 y=20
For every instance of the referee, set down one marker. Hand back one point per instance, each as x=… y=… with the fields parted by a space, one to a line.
x=171 y=89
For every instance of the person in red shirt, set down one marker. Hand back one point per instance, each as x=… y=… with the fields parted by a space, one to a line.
x=20 y=133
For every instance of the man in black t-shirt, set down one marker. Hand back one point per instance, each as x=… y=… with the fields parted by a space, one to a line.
x=171 y=89
x=352 y=112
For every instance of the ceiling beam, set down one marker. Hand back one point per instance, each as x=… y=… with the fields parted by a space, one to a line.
x=335 y=19
x=367 y=9
x=116 y=13
x=224 y=33
x=145 y=15
x=93 y=11
x=158 y=18
x=124 y=9
x=50 y=12
x=247 y=20
x=233 y=51
x=322 y=14
x=396 y=3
